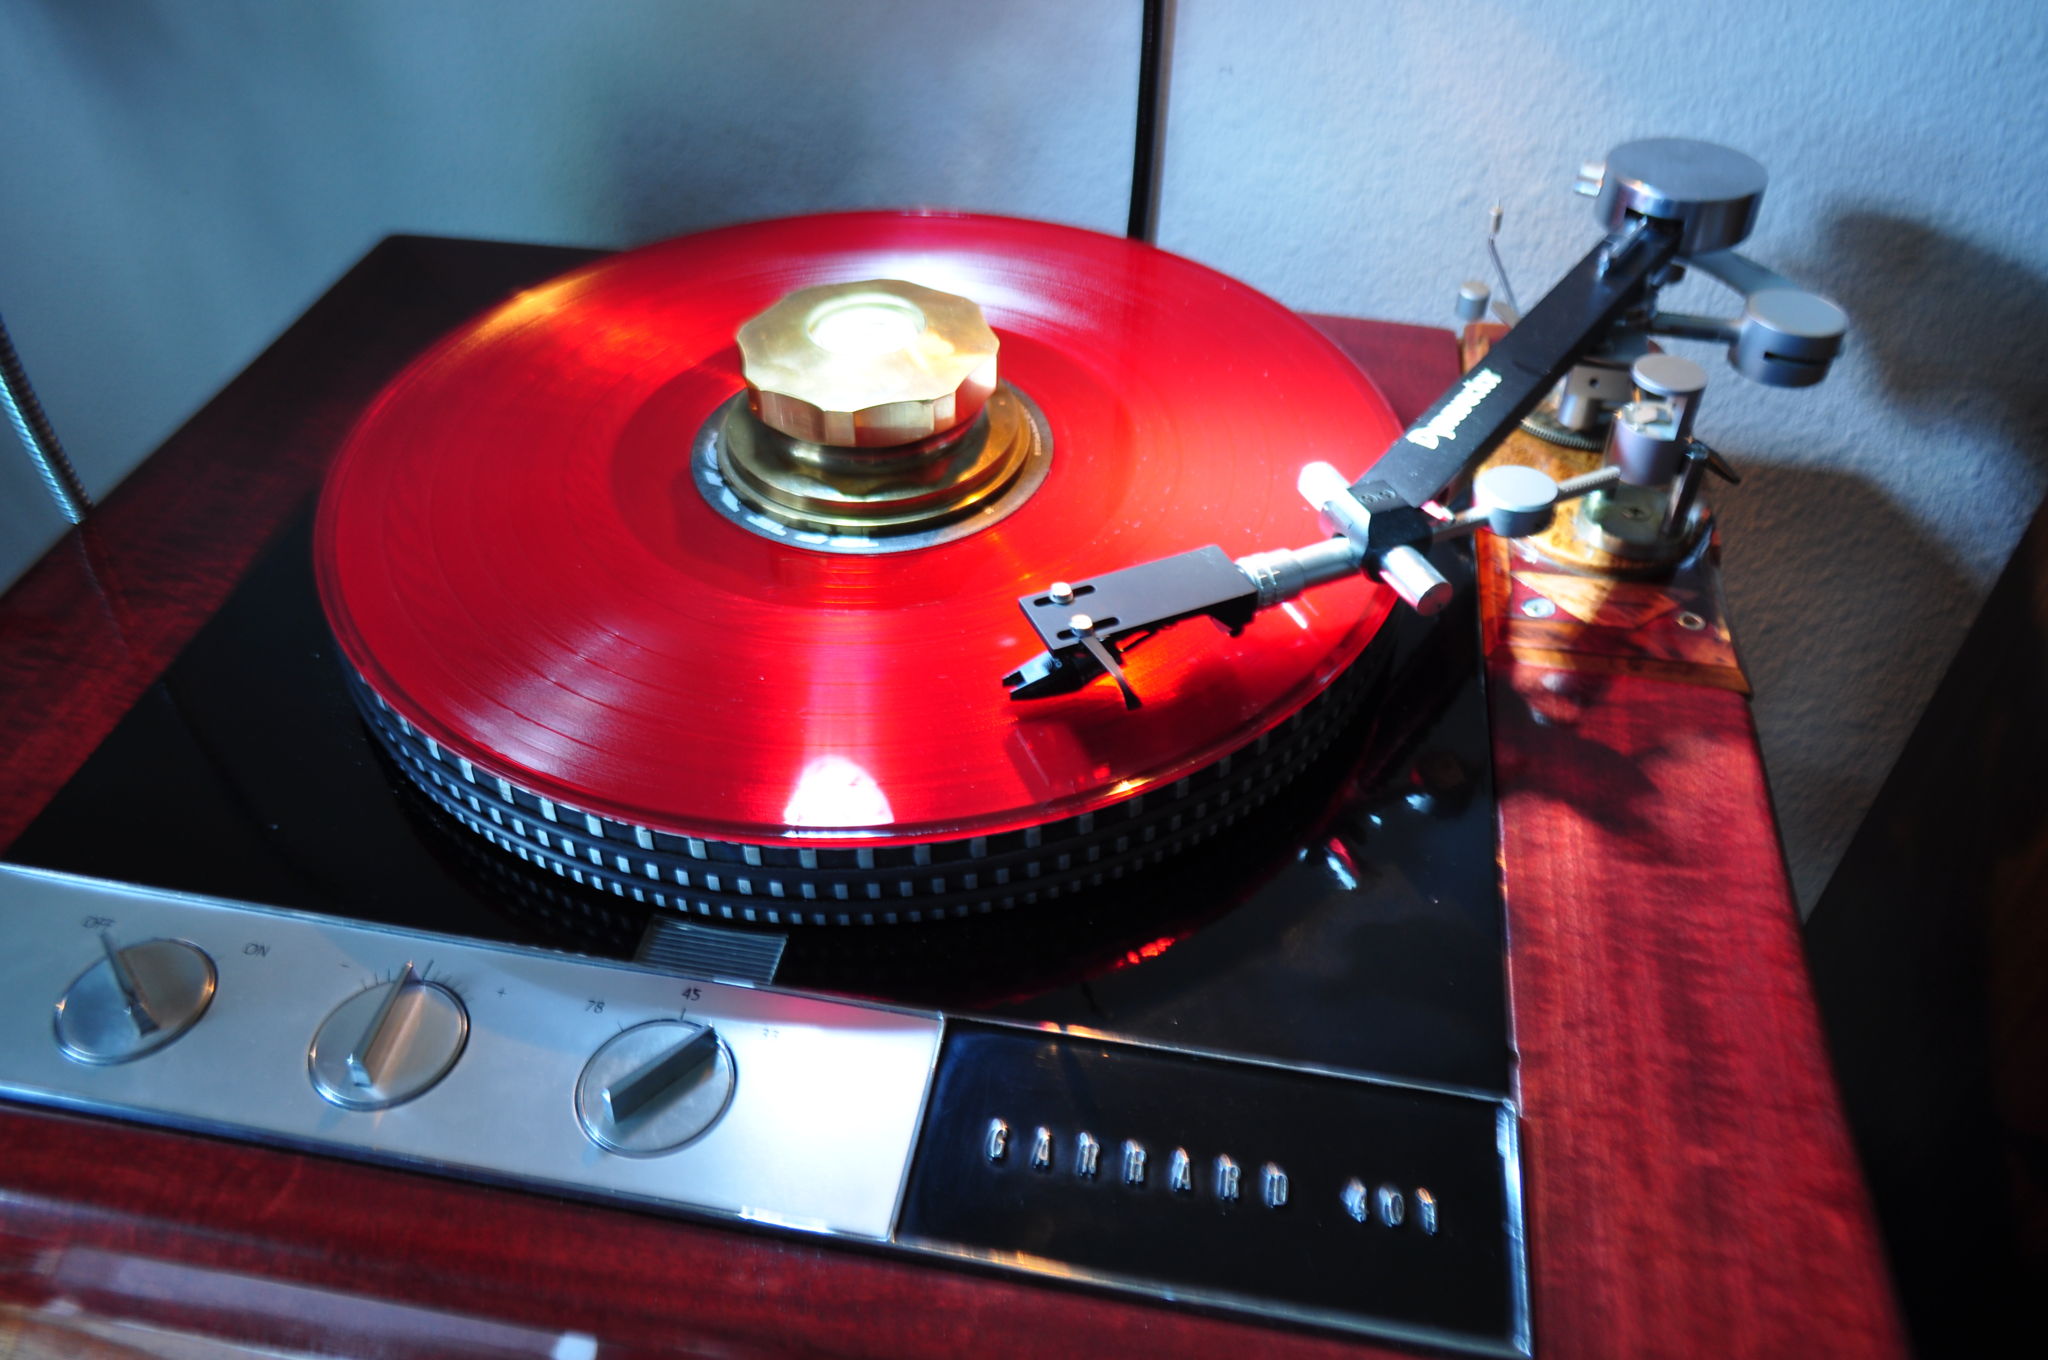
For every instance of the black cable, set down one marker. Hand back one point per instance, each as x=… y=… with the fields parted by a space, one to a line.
x=1151 y=126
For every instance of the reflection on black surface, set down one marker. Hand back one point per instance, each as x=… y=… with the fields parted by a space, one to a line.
x=1354 y=922
x=1456 y=1278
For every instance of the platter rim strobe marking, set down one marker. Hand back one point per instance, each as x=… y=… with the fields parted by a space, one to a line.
x=1099 y=330
x=868 y=885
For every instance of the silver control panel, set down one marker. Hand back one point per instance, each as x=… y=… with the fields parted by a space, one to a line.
x=545 y=1068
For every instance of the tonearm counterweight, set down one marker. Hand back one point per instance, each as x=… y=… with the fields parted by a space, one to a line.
x=1665 y=203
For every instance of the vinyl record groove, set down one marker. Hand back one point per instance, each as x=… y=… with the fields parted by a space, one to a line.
x=541 y=607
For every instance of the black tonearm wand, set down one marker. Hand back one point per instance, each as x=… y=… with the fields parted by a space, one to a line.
x=1665 y=202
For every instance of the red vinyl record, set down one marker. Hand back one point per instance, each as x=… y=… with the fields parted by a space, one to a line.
x=518 y=563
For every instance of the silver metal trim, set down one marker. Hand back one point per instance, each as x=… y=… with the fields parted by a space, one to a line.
x=924 y=1101
x=246 y=1078
x=1508 y=1138
x=1354 y=1324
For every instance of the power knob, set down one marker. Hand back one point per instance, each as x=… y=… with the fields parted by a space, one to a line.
x=385 y=1045
x=134 y=1000
x=655 y=1087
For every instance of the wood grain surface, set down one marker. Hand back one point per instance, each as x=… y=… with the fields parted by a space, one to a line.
x=1690 y=1187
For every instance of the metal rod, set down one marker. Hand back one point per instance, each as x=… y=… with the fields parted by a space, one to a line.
x=25 y=413
x=1145 y=156
x=1514 y=308
x=1588 y=482
x=1687 y=326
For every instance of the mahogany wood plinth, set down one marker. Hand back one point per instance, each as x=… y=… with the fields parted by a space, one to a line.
x=1690 y=1187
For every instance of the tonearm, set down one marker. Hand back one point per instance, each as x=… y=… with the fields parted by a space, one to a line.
x=1665 y=204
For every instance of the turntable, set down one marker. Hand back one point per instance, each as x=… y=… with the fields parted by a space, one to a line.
x=945 y=736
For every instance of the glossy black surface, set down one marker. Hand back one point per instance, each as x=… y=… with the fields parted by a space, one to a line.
x=1449 y=1269
x=1354 y=923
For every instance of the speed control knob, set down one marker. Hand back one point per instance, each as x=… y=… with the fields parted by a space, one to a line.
x=655 y=1087
x=133 y=1000
x=389 y=1043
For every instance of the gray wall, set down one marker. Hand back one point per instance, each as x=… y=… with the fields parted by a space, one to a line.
x=183 y=178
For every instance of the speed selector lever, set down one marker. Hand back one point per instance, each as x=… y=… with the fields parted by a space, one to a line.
x=653 y=1088
x=389 y=1043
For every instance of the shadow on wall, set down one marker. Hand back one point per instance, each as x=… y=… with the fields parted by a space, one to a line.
x=1927 y=947
x=1872 y=564
x=1930 y=963
x=1833 y=556
x=1953 y=329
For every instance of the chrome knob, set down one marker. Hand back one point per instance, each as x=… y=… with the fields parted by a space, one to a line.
x=1518 y=501
x=385 y=1045
x=653 y=1088
x=133 y=1000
